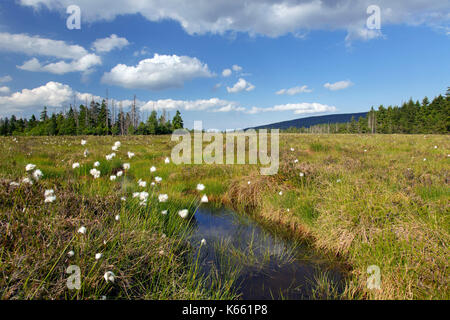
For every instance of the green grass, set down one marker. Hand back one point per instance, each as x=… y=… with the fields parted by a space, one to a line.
x=385 y=207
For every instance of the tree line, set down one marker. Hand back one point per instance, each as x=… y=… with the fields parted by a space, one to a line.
x=412 y=117
x=95 y=119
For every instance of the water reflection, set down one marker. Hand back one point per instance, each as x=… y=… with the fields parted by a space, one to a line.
x=270 y=266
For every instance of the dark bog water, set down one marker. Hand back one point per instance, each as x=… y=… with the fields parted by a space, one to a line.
x=270 y=266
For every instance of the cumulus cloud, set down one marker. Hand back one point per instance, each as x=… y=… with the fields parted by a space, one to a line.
x=267 y=17
x=241 y=85
x=237 y=68
x=294 y=90
x=213 y=105
x=297 y=108
x=158 y=73
x=83 y=64
x=340 y=85
x=226 y=72
x=79 y=59
x=35 y=45
x=4 y=90
x=6 y=78
x=110 y=43
x=52 y=94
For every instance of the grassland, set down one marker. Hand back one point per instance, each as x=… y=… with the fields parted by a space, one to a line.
x=369 y=199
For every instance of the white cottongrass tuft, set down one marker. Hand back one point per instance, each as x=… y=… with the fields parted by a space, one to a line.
x=158 y=179
x=200 y=187
x=117 y=217
x=82 y=230
x=71 y=253
x=302 y=174
x=83 y=142
x=113 y=177
x=75 y=165
x=126 y=166
x=435 y=147
x=95 y=173
x=119 y=173
x=280 y=193
x=123 y=199
x=14 y=184
x=30 y=167
x=37 y=174
x=114 y=148
x=130 y=154
x=110 y=156
x=117 y=144
x=98 y=256
x=424 y=159
x=49 y=196
x=135 y=194
x=96 y=164
x=183 y=213
x=203 y=242
x=152 y=169
x=249 y=182
x=143 y=196
x=163 y=198
x=142 y=184
x=167 y=160
x=109 y=276
x=164 y=212
x=296 y=161
x=292 y=149
x=86 y=153
x=204 y=199
x=27 y=181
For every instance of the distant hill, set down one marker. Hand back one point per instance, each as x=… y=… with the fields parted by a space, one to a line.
x=311 y=121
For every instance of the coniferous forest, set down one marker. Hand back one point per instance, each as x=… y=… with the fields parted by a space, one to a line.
x=96 y=119
x=412 y=117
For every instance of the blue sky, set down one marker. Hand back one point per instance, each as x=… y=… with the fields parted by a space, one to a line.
x=174 y=57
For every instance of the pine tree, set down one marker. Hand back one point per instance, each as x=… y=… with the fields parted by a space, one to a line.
x=177 y=122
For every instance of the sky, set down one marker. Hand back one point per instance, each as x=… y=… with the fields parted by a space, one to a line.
x=230 y=64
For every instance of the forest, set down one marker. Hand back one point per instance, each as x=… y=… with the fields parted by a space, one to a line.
x=96 y=119
x=411 y=117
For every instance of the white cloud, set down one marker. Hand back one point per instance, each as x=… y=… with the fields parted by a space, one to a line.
x=158 y=73
x=143 y=52
x=52 y=94
x=298 y=108
x=267 y=17
x=294 y=90
x=79 y=59
x=226 y=72
x=83 y=64
x=213 y=105
x=109 y=44
x=237 y=68
x=364 y=34
x=4 y=90
x=241 y=85
x=35 y=45
x=340 y=85
x=6 y=78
